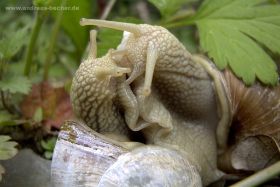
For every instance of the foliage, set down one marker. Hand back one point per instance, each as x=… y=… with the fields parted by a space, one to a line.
x=70 y=21
x=15 y=84
x=7 y=151
x=6 y=119
x=167 y=8
x=11 y=43
x=47 y=105
x=7 y=148
x=48 y=147
x=234 y=31
x=109 y=38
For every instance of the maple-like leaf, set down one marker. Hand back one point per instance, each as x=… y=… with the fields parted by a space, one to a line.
x=7 y=148
x=15 y=84
x=234 y=32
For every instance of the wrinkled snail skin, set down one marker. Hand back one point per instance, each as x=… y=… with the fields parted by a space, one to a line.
x=195 y=140
x=93 y=93
x=93 y=96
x=184 y=88
x=169 y=96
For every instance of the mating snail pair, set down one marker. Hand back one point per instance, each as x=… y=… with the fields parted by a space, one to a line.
x=152 y=86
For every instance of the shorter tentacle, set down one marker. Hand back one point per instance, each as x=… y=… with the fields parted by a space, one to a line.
x=103 y=72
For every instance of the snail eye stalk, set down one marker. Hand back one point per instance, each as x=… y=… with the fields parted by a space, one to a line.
x=129 y=27
x=92 y=45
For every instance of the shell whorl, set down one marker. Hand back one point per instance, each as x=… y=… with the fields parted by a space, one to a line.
x=255 y=109
x=84 y=158
x=162 y=167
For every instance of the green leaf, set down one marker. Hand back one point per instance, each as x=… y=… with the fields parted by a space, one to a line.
x=109 y=38
x=5 y=116
x=168 y=8
x=6 y=119
x=234 y=31
x=71 y=18
x=41 y=3
x=12 y=43
x=7 y=148
x=49 y=144
x=48 y=154
x=38 y=115
x=15 y=84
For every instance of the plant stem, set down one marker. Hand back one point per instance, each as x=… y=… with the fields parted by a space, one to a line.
x=186 y=14
x=108 y=9
x=53 y=40
x=30 y=49
x=178 y=24
x=2 y=64
x=260 y=177
x=4 y=103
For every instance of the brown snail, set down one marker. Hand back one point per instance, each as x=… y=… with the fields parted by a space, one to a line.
x=179 y=101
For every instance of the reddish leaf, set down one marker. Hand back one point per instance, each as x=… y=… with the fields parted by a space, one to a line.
x=55 y=103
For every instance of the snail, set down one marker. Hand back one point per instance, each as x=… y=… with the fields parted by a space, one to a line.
x=179 y=101
x=94 y=92
x=153 y=50
x=95 y=72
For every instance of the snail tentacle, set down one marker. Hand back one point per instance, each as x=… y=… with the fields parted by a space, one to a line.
x=92 y=45
x=130 y=27
x=152 y=55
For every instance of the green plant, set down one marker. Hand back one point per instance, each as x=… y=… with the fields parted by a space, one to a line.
x=48 y=146
x=7 y=151
x=235 y=32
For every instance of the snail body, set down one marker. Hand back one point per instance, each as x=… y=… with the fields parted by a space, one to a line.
x=169 y=81
x=186 y=84
x=171 y=112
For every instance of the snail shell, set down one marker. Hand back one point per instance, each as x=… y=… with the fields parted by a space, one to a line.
x=83 y=157
x=151 y=166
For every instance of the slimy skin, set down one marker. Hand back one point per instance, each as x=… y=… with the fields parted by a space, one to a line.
x=93 y=93
x=175 y=94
